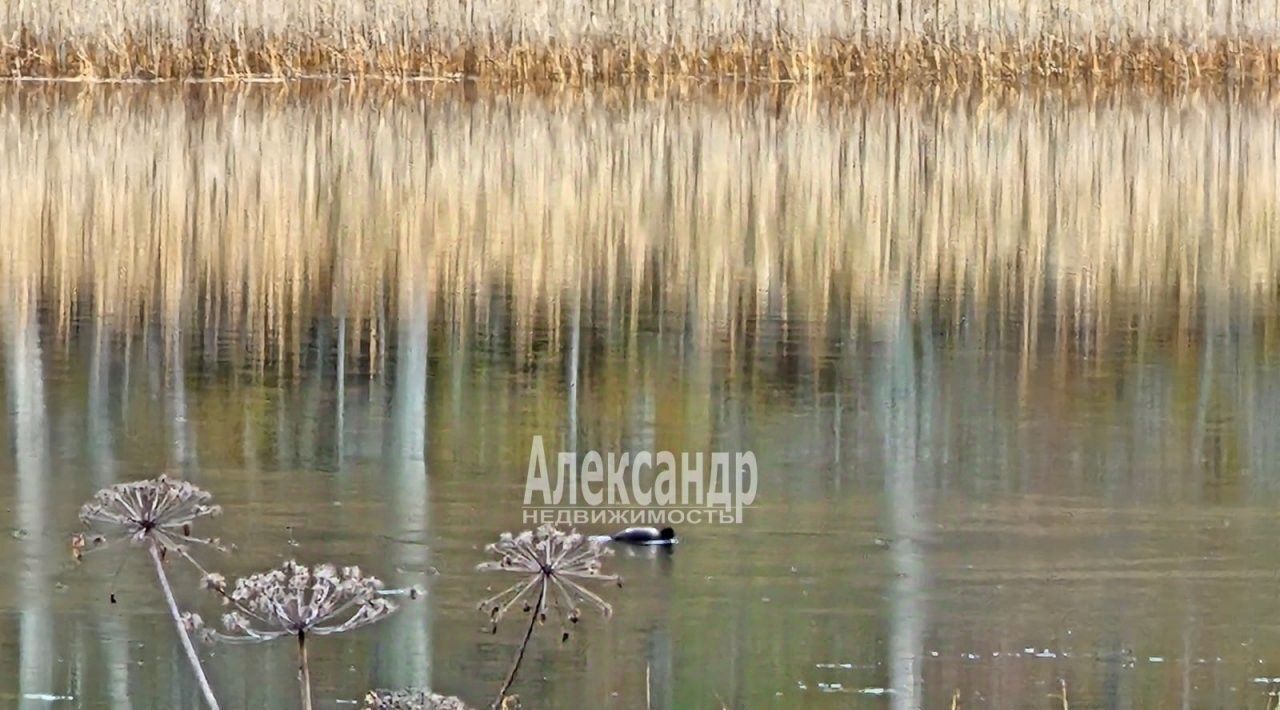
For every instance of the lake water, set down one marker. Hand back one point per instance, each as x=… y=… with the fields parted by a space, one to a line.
x=1010 y=365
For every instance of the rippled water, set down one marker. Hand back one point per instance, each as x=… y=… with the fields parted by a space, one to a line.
x=1010 y=366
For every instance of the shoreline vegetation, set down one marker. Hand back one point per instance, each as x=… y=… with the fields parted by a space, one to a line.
x=581 y=41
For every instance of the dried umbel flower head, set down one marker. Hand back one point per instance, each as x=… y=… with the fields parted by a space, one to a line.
x=157 y=514
x=555 y=563
x=192 y=622
x=296 y=600
x=411 y=699
x=160 y=511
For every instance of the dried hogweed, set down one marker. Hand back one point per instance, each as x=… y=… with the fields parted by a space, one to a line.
x=294 y=599
x=411 y=699
x=159 y=511
x=300 y=601
x=554 y=565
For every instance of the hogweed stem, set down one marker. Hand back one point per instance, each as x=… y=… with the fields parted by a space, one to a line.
x=185 y=637
x=304 y=671
x=158 y=514
x=556 y=564
x=515 y=666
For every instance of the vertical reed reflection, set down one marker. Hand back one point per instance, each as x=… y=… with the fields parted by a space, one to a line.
x=24 y=382
x=795 y=207
x=409 y=656
x=100 y=452
x=905 y=410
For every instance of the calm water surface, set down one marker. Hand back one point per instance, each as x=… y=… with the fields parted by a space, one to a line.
x=1010 y=366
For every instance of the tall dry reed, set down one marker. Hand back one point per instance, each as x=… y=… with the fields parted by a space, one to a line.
x=582 y=40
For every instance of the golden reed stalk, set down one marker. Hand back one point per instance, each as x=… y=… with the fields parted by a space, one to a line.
x=947 y=41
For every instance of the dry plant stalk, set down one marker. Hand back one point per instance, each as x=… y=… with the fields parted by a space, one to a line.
x=156 y=514
x=300 y=601
x=554 y=564
x=576 y=41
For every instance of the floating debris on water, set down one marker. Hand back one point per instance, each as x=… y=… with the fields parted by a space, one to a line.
x=876 y=691
x=47 y=697
x=1155 y=659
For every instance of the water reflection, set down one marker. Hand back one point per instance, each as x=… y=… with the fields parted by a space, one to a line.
x=24 y=378
x=1010 y=367
x=905 y=409
x=409 y=658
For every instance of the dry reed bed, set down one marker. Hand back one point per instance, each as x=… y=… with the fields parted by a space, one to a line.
x=583 y=40
x=261 y=209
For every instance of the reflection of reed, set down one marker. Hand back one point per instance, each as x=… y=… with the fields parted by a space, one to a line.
x=25 y=386
x=251 y=212
x=903 y=396
x=409 y=654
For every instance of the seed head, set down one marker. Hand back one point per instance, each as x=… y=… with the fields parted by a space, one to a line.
x=411 y=699
x=159 y=510
x=294 y=599
x=554 y=565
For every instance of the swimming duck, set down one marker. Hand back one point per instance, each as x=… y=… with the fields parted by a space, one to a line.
x=641 y=536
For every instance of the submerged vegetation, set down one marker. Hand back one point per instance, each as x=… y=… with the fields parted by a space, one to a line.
x=585 y=40
x=299 y=602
